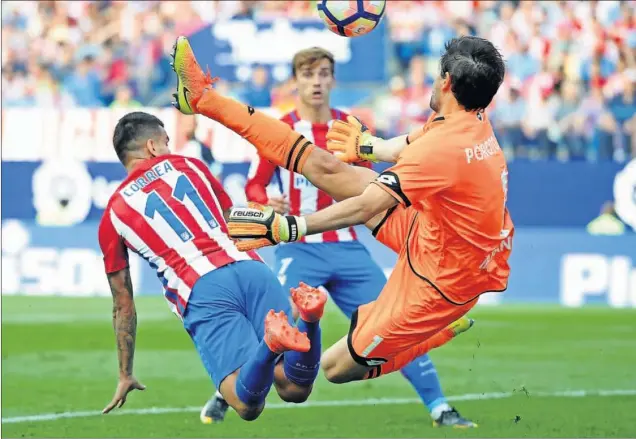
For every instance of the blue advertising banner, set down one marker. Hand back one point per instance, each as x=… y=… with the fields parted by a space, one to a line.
x=33 y=190
x=554 y=266
x=231 y=48
x=540 y=194
x=559 y=194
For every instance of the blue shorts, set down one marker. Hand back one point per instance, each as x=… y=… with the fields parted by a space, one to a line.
x=226 y=313
x=345 y=269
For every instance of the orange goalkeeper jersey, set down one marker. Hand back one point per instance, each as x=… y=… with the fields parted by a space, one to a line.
x=454 y=175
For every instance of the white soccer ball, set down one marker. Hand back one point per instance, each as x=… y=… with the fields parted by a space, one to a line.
x=351 y=18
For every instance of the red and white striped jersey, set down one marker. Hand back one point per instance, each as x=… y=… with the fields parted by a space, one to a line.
x=304 y=197
x=170 y=212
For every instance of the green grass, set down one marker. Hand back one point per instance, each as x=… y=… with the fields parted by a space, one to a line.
x=58 y=356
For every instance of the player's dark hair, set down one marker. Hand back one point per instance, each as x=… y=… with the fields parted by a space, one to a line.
x=476 y=71
x=132 y=132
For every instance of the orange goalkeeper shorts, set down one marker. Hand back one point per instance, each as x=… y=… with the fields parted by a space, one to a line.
x=408 y=311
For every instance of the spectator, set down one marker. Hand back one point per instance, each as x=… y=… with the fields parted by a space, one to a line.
x=597 y=70
x=568 y=60
x=607 y=223
x=257 y=92
x=15 y=88
x=499 y=32
x=521 y=64
x=246 y=10
x=508 y=118
x=115 y=70
x=123 y=98
x=284 y=97
x=417 y=96
x=620 y=121
x=568 y=127
x=392 y=106
x=540 y=113
x=588 y=117
x=62 y=65
x=526 y=14
x=48 y=93
x=84 y=84
x=406 y=28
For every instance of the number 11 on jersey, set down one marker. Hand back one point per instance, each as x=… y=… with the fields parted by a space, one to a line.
x=183 y=188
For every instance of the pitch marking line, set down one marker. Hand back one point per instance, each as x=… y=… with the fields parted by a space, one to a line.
x=335 y=403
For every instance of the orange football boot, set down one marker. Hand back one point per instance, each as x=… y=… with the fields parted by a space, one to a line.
x=281 y=336
x=274 y=139
x=310 y=302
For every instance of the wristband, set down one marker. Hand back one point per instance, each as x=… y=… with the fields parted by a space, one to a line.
x=295 y=228
x=366 y=149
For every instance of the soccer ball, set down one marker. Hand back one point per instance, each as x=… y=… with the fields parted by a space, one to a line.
x=351 y=18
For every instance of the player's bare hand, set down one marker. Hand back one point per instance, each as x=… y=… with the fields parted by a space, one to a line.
x=279 y=203
x=124 y=387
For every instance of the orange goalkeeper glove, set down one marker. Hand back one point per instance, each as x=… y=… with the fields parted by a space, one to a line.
x=351 y=141
x=259 y=226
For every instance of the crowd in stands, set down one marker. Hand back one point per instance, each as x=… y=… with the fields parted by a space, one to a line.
x=569 y=91
x=101 y=53
x=571 y=69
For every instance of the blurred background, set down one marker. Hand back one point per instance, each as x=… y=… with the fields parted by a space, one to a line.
x=565 y=115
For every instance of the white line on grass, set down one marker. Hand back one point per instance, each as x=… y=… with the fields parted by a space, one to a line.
x=334 y=403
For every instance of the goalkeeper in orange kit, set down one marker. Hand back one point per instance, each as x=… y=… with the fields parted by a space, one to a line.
x=441 y=207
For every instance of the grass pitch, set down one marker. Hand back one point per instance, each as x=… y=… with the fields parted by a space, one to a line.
x=520 y=371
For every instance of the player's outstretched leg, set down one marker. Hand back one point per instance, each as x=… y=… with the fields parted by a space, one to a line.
x=400 y=360
x=253 y=381
x=302 y=368
x=340 y=367
x=273 y=139
x=255 y=377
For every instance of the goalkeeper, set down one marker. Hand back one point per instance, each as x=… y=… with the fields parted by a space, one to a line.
x=335 y=260
x=453 y=243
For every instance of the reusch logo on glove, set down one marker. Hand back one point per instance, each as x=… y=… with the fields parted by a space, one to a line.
x=248 y=214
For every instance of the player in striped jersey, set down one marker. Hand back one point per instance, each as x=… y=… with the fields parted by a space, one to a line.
x=335 y=260
x=170 y=211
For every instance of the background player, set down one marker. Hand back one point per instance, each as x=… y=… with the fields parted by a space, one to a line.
x=335 y=260
x=169 y=210
x=454 y=243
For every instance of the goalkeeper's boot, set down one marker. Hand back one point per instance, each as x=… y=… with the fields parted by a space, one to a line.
x=281 y=336
x=461 y=325
x=309 y=301
x=451 y=331
x=273 y=139
x=191 y=81
x=452 y=418
x=214 y=410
